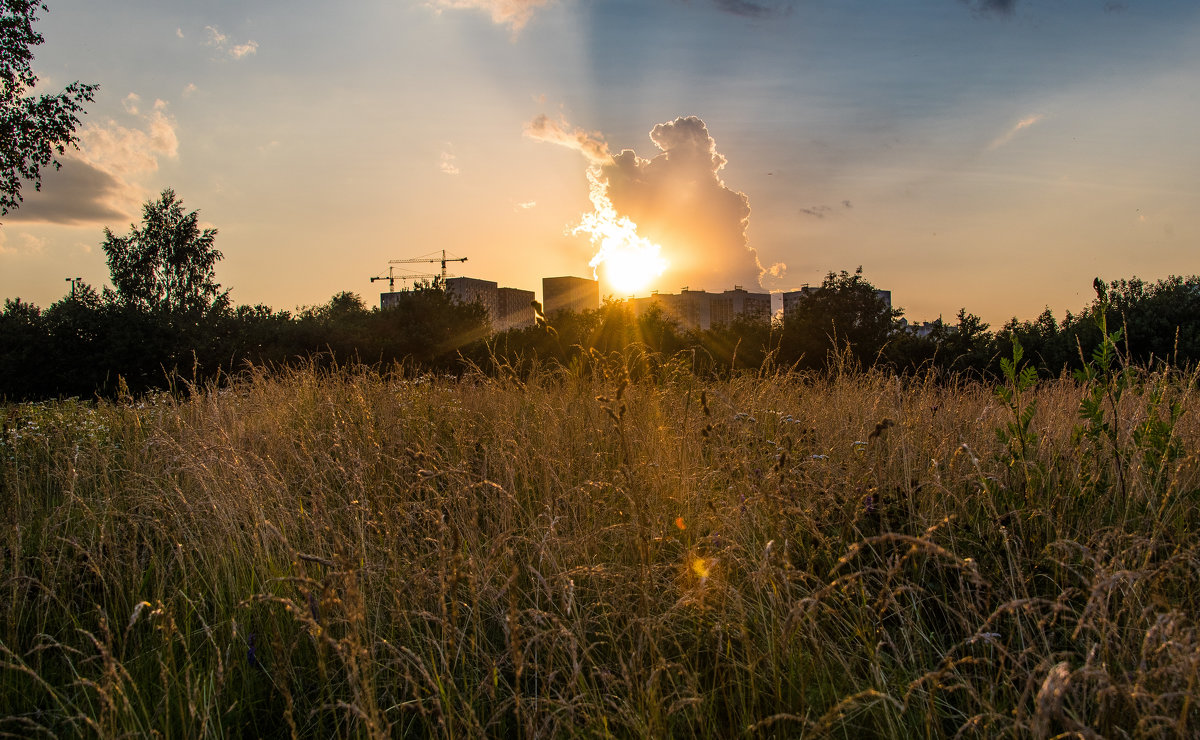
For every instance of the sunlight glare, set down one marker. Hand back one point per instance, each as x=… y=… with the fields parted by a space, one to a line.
x=629 y=261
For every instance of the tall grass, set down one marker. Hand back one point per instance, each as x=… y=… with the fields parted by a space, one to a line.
x=336 y=553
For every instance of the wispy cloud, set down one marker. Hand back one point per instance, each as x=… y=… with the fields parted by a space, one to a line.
x=590 y=144
x=998 y=7
x=1017 y=128
x=221 y=42
x=24 y=244
x=755 y=8
x=447 y=161
x=822 y=210
x=215 y=37
x=512 y=13
x=517 y=13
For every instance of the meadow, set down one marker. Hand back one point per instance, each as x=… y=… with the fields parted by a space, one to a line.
x=617 y=549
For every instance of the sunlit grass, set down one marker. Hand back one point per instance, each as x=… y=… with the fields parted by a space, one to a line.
x=340 y=554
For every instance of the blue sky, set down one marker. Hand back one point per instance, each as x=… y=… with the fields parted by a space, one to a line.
x=990 y=158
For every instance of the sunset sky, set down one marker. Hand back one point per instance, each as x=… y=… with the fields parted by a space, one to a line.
x=989 y=155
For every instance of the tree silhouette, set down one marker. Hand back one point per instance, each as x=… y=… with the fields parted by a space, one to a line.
x=168 y=264
x=845 y=312
x=33 y=128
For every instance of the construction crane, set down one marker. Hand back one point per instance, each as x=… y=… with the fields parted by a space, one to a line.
x=392 y=277
x=444 y=259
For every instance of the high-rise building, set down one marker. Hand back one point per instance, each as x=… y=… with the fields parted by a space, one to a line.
x=514 y=309
x=570 y=294
x=472 y=290
x=740 y=302
x=699 y=309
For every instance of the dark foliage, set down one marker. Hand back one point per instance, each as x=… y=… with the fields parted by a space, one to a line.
x=33 y=128
x=845 y=315
x=89 y=343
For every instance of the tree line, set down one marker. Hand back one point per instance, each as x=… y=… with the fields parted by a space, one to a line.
x=166 y=322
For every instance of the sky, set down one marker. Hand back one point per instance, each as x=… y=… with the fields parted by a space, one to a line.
x=993 y=155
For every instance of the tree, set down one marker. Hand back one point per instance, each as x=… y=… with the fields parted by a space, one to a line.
x=168 y=264
x=845 y=312
x=1161 y=319
x=969 y=345
x=33 y=128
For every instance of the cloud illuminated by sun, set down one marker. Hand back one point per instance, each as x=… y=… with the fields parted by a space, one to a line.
x=1017 y=128
x=627 y=261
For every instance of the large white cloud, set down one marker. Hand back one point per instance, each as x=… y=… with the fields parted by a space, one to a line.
x=676 y=198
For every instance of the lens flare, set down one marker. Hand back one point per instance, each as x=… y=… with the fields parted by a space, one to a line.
x=629 y=262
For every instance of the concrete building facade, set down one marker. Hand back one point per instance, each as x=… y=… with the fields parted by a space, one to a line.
x=514 y=309
x=570 y=294
x=472 y=290
x=740 y=302
x=699 y=309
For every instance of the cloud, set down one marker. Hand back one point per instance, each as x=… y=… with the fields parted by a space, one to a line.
x=526 y=205
x=447 y=164
x=678 y=200
x=130 y=103
x=588 y=143
x=999 y=7
x=123 y=151
x=215 y=37
x=189 y=90
x=823 y=211
x=517 y=13
x=222 y=42
x=98 y=183
x=179 y=32
x=1017 y=128
x=25 y=244
x=512 y=13
x=240 y=50
x=758 y=9
x=78 y=194
x=675 y=200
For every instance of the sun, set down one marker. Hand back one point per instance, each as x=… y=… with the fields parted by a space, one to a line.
x=629 y=261
x=631 y=269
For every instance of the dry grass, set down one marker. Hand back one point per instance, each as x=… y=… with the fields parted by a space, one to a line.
x=338 y=554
